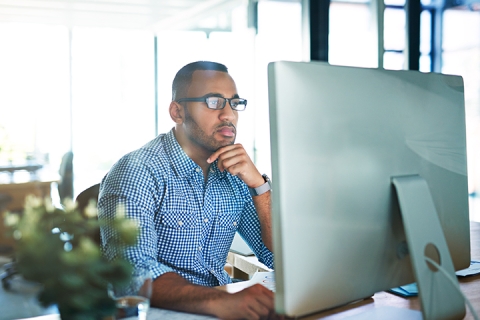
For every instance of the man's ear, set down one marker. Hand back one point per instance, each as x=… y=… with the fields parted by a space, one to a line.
x=176 y=112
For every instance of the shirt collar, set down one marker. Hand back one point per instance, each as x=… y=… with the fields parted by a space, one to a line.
x=182 y=164
x=214 y=170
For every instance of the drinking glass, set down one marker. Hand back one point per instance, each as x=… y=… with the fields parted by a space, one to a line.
x=133 y=299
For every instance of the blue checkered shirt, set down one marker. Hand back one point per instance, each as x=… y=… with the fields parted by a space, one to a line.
x=186 y=224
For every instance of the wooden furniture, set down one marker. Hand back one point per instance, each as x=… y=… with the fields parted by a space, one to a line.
x=244 y=266
x=470 y=286
x=17 y=193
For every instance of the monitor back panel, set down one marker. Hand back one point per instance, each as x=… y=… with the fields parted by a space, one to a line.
x=338 y=135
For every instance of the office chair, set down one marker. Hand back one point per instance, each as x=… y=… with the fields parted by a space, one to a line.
x=10 y=272
x=83 y=200
x=65 y=186
x=5 y=199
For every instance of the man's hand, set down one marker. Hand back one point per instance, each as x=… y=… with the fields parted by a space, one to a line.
x=172 y=291
x=236 y=161
x=255 y=302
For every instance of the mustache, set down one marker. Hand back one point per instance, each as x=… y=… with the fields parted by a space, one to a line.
x=227 y=124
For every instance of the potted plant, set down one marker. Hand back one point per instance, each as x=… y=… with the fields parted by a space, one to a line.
x=55 y=248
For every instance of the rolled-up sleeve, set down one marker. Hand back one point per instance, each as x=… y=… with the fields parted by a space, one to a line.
x=133 y=186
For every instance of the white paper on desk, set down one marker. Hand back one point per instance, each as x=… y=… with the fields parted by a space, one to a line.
x=473 y=269
x=387 y=312
x=160 y=314
x=265 y=278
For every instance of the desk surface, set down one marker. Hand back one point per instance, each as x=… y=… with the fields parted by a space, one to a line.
x=30 y=167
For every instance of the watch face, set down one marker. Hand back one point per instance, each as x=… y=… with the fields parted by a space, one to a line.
x=266 y=178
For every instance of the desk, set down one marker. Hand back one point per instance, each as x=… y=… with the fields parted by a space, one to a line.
x=31 y=168
x=470 y=286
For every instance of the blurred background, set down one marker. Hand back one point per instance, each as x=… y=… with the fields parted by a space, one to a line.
x=86 y=81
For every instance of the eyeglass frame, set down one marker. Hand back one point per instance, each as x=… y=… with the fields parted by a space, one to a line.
x=205 y=97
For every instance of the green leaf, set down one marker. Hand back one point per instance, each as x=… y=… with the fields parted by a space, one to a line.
x=76 y=280
x=73 y=281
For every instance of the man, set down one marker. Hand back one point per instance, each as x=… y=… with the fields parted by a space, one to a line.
x=191 y=190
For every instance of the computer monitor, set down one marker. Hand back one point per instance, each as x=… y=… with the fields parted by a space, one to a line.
x=342 y=140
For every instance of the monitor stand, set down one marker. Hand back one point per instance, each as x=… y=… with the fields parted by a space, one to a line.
x=440 y=297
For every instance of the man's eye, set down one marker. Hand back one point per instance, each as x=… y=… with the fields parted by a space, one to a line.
x=212 y=100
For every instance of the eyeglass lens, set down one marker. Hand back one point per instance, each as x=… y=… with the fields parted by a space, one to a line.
x=219 y=103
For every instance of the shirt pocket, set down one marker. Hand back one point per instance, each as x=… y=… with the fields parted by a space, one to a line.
x=230 y=213
x=176 y=211
x=178 y=219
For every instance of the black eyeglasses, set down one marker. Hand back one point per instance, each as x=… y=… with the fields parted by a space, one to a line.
x=218 y=103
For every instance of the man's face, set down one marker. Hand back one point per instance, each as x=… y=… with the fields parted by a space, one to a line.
x=206 y=128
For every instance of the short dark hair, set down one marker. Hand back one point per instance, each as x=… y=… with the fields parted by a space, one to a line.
x=183 y=78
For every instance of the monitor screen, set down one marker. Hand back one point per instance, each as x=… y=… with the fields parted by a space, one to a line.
x=338 y=137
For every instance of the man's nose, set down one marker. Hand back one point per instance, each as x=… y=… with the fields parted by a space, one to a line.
x=227 y=112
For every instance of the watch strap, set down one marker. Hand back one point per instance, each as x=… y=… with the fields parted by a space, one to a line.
x=261 y=189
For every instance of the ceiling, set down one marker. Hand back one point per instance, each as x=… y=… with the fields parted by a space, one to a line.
x=139 y=14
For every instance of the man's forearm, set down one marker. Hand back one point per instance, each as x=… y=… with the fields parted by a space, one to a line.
x=172 y=291
x=264 y=210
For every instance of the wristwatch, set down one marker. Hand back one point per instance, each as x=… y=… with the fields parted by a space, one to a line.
x=263 y=188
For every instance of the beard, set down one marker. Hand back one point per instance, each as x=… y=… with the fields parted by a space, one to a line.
x=200 y=138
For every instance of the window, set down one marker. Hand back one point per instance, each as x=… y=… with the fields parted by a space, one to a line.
x=352 y=44
x=279 y=38
x=35 y=98
x=461 y=56
x=112 y=98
